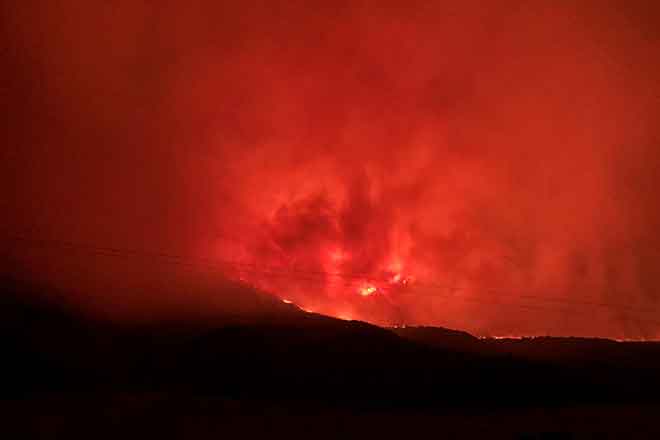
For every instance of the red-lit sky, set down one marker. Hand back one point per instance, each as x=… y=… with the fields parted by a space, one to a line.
x=510 y=149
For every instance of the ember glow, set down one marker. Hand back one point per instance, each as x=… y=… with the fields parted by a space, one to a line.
x=482 y=167
x=367 y=290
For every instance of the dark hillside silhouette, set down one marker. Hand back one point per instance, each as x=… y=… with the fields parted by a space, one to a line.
x=286 y=353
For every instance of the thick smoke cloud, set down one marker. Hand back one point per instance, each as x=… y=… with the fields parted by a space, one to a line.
x=501 y=158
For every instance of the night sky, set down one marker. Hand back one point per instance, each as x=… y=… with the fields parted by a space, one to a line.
x=489 y=166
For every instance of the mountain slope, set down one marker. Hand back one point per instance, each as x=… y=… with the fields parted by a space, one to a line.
x=284 y=353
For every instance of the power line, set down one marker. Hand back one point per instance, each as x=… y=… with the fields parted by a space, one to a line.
x=314 y=276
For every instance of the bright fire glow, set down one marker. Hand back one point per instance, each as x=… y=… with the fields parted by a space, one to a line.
x=337 y=255
x=397 y=278
x=367 y=290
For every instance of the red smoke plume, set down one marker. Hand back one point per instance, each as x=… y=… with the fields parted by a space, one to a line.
x=481 y=167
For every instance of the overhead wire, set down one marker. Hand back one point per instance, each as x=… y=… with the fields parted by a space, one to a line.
x=323 y=278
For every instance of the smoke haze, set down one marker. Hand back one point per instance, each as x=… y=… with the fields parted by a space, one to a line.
x=487 y=167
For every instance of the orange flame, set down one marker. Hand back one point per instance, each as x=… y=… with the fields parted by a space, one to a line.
x=367 y=290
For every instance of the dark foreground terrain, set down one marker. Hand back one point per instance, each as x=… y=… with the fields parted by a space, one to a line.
x=284 y=373
x=165 y=416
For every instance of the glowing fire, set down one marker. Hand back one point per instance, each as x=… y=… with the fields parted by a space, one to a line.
x=337 y=255
x=399 y=279
x=367 y=290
